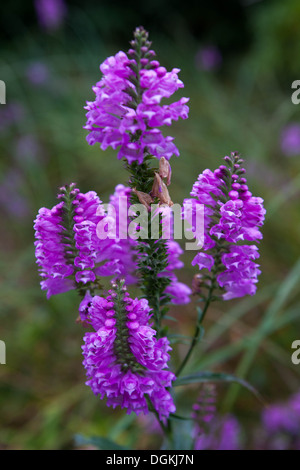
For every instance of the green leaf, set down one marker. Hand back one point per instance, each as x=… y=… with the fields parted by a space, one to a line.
x=102 y=443
x=183 y=435
x=168 y=317
x=284 y=293
x=207 y=376
x=201 y=334
x=177 y=338
x=179 y=418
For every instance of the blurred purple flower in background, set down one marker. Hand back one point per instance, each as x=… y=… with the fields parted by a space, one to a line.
x=50 y=13
x=37 y=73
x=280 y=425
x=211 y=430
x=283 y=416
x=10 y=114
x=290 y=139
x=28 y=149
x=11 y=199
x=208 y=58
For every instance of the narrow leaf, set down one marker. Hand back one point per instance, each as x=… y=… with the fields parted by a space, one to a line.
x=101 y=443
x=207 y=376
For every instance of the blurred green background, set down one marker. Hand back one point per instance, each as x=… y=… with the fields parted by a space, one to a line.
x=238 y=60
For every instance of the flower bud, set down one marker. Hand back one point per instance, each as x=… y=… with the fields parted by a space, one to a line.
x=160 y=190
x=144 y=198
x=165 y=170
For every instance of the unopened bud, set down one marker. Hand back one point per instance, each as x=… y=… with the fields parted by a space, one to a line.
x=144 y=198
x=160 y=190
x=165 y=170
x=196 y=284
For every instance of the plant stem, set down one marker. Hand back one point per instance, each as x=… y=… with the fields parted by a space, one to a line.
x=166 y=428
x=153 y=256
x=197 y=331
x=218 y=250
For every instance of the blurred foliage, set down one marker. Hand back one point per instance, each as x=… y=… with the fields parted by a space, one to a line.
x=243 y=106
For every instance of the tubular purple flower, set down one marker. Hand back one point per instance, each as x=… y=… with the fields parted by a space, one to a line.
x=123 y=360
x=119 y=252
x=179 y=292
x=127 y=111
x=68 y=249
x=232 y=216
x=125 y=251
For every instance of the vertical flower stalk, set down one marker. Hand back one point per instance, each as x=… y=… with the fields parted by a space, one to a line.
x=124 y=361
x=232 y=219
x=68 y=250
x=63 y=247
x=127 y=114
x=154 y=254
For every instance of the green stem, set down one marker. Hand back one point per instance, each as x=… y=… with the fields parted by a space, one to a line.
x=153 y=258
x=166 y=428
x=197 y=331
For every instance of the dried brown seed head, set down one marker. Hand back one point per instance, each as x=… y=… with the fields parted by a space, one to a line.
x=165 y=170
x=144 y=198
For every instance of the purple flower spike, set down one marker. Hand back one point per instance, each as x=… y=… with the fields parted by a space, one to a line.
x=232 y=218
x=124 y=361
x=67 y=247
x=127 y=111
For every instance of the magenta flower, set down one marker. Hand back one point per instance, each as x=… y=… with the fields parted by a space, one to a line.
x=232 y=217
x=119 y=252
x=127 y=112
x=125 y=251
x=68 y=249
x=124 y=361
